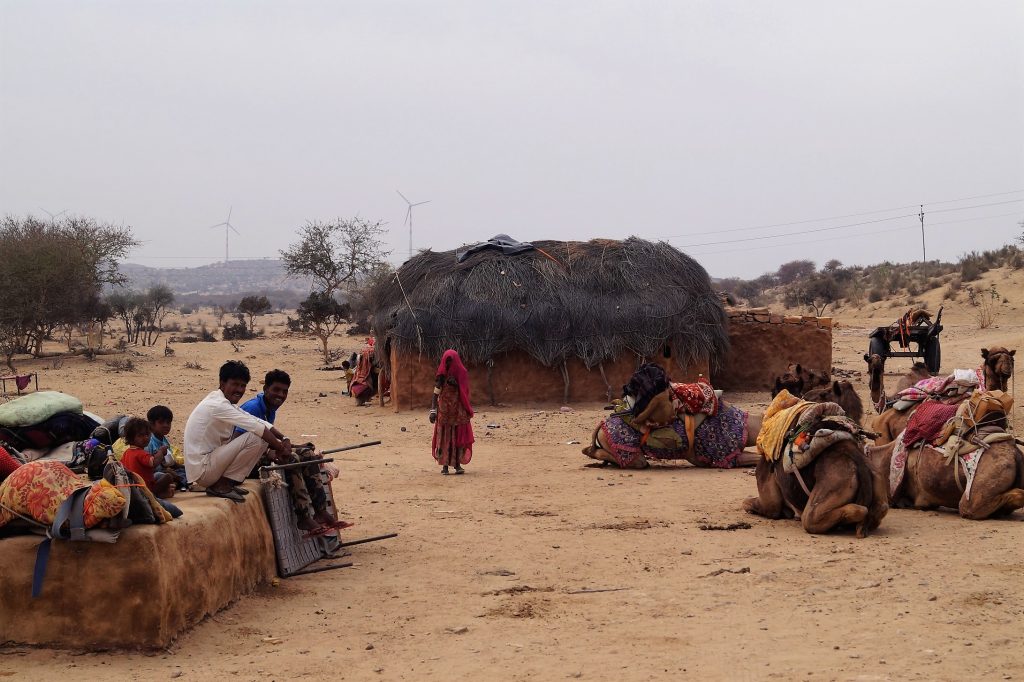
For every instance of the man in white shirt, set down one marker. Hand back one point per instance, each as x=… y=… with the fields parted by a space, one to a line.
x=212 y=459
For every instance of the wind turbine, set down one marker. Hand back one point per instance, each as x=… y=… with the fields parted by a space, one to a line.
x=227 y=226
x=408 y=216
x=53 y=216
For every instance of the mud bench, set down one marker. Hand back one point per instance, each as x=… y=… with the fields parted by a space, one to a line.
x=145 y=590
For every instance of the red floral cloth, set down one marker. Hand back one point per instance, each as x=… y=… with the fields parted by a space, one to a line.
x=927 y=421
x=696 y=398
x=37 y=489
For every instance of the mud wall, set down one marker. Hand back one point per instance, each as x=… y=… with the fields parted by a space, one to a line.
x=763 y=344
x=518 y=379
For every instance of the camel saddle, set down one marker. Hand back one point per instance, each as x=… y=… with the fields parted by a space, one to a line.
x=690 y=403
x=983 y=407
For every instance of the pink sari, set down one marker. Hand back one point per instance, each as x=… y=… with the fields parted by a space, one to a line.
x=453 y=430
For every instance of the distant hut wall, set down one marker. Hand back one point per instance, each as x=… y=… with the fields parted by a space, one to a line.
x=518 y=379
x=763 y=344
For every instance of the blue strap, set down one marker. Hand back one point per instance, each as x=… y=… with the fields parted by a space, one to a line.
x=39 y=572
x=71 y=510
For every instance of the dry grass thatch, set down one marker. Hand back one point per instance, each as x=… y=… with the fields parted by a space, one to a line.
x=593 y=300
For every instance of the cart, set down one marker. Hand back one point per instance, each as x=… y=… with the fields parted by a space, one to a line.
x=916 y=327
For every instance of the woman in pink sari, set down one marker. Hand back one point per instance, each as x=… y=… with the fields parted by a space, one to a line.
x=451 y=413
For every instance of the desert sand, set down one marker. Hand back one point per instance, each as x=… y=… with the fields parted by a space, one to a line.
x=487 y=577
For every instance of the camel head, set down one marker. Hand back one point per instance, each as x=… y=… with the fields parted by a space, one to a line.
x=998 y=367
x=876 y=365
x=843 y=394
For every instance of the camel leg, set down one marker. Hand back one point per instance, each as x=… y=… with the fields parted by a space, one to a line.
x=769 y=501
x=748 y=459
x=994 y=489
x=598 y=449
x=982 y=506
x=821 y=518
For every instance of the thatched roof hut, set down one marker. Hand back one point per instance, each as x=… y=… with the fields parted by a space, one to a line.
x=595 y=302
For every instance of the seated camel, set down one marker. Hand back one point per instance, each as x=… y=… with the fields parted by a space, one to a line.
x=838 y=487
x=718 y=441
x=930 y=480
x=996 y=370
x=798 y=379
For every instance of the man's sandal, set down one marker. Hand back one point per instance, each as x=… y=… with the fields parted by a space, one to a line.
x=240 y=490
x=229 y=495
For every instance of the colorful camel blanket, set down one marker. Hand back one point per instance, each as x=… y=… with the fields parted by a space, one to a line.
x=927 y=421
x=695 y=398
x=957 y=384
x=779 y=420
x=968 y=454
x=719 y=440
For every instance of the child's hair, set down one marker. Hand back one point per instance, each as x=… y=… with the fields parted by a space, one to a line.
x=346 y=364
x=159 y=413
x=135 y=427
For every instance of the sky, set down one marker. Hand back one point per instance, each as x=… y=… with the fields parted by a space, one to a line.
x=745 y=133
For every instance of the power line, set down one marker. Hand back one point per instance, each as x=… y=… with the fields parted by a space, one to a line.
x=806 y=241
x=840 y=227
x=848 y=215
x=792 y=234
x=849 y=237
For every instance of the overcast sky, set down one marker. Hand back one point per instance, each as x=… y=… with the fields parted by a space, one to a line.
x=554 y=120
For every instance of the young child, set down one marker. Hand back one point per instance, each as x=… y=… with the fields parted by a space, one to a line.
x=160 y=418
x=137 y=460
x=349 y=373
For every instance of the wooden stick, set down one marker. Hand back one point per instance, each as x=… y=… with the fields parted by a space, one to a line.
x=603 y=589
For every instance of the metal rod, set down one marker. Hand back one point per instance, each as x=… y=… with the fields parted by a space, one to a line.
x=296 y=465
x=373 y=539
x=321 y=569
x=350 y=447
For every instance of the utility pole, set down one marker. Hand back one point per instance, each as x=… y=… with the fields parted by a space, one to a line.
x=924 y=253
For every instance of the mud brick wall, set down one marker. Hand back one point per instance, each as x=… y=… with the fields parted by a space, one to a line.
x=518 y=379
x=762 y=344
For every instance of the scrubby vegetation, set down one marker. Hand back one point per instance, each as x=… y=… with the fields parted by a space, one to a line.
x=800 y=284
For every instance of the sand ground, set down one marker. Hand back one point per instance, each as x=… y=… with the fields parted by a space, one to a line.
x=486 y=576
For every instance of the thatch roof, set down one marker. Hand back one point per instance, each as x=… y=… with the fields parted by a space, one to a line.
x=593 y=300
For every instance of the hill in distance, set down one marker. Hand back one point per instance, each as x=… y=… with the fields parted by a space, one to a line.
x=222 y=283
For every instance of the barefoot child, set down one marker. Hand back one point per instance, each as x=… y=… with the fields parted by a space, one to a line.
x=160 y=418
x=349 y=373
x=451 y=413
x=137 y=460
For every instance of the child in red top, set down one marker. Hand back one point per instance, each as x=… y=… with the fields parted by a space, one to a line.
x=137 y=460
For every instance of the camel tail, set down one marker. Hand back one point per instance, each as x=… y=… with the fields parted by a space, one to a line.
x=867 y=494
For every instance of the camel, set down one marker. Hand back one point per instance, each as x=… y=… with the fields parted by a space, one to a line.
x=997 y=367
x=798 y=379
x=890 y=422
x=876 y=379
x=929 y=482
x=601 y=450
x=845 y=489
x=844 y=394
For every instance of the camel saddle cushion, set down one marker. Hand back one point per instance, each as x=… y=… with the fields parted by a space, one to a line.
x=983 y=407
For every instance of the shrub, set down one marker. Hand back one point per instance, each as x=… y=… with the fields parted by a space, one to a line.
x=237 y=332
x=875 y=295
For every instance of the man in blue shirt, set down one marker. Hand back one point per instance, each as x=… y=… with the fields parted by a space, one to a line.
x=308 y=496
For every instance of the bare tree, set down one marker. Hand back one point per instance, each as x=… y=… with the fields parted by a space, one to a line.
x=336 y=254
